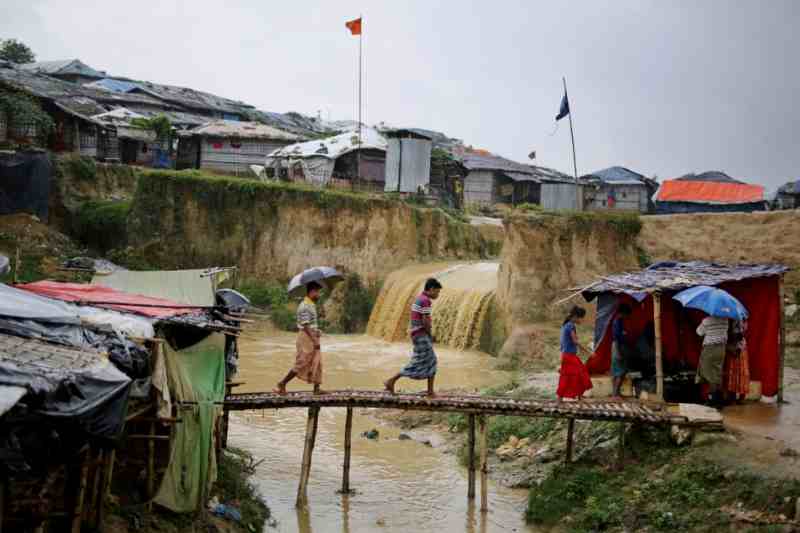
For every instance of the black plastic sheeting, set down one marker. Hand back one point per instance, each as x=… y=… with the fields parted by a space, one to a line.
x=25 y=183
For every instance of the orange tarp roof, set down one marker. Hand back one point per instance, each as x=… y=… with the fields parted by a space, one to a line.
x=709 y=192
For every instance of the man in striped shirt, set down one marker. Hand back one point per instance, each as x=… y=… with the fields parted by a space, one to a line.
x=714 y=331
x=423 y=359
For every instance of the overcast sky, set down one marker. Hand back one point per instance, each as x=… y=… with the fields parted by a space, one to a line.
x=663 y=88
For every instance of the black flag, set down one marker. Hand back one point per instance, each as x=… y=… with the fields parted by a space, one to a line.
x=564 y=111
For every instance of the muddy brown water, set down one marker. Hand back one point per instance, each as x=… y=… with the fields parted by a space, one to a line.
x=401 y=485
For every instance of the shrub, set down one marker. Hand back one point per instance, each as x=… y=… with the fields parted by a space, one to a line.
x=103 y=224
x=82 y=167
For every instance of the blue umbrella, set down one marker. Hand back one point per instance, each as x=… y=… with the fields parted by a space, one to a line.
x=712 y=301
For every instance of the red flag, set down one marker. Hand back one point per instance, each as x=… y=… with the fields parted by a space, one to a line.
x=354 y=26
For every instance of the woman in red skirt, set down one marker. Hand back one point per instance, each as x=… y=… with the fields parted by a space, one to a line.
x=574 y=378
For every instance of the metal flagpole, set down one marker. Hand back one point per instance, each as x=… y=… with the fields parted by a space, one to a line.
x=360 y=38
x=574 y=160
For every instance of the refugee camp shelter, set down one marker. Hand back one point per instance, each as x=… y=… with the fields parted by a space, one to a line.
x=230 y=146
x=708 y=192
x=788 y=196
x=676 y=347
x=408 y=160
x=492 y=179
x=615 y=188
x=341 y=160
x=71 y=70
x=80 y=364
x=130 y=144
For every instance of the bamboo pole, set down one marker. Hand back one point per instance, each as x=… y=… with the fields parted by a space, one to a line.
x=2 y=503
x=782 y=337
x=483 y=426
x=151 y=465
x=471 y=459
x=621 y=448
x=659 y=347
x=570 y=439
x=78 y=512
x=308 y=450
x=108 y=476
x=96 y=488
x=348 y=434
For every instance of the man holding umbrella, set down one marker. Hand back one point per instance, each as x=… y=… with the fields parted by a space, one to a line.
x=308 y=360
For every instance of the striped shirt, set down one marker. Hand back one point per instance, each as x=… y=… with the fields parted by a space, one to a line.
x=421 y=311
x=714 y=330
x=307 y=314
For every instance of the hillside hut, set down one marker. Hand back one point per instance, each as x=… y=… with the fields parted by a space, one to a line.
x=408 y=160
x=334 y=161
x=788 y=196
x=615 y=189
x=230 y=146
x=708 y=192
x=669 y=347
x=71 y=70
x=492 y=179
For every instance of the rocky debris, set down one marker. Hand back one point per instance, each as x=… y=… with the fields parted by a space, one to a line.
x=791 y=310
x=404 y=436
x=680 y=435
x=372 y=434
x=514 y=447
x=789 y=452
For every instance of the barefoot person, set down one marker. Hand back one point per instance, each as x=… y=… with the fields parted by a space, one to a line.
x=308 y=362
x=423 y=359
x=574 y=378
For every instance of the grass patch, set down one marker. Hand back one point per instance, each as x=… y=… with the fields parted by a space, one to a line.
x=357 y=305
x=661 y=488
x=273 y=298
x=82 y=167
x=103 y=224
x=233 y=484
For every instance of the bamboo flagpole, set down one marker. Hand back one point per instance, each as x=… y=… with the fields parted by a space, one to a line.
x=566 y=111
x=356 y=26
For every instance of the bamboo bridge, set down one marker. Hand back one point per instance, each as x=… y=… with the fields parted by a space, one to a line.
x=477 y=408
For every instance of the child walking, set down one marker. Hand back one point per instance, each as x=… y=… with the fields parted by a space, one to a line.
x=308 y=361
x=574 y=378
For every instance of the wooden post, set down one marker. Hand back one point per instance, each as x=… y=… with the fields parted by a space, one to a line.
x=659 y=347
x=151 y=465
x=570 y=439
x=2 y=502
x=108 y=476
x=483 y=426
x=15 y=278
x=96 y=489
x=348 y=434
x=308 y=450
x=621 y=449
x=471 y=459
x=781 y=338
x=77 y=516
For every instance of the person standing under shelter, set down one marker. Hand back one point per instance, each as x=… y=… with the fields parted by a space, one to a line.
x=736 y=372
x=620 y=349
x=574 y=378
x=423 y=359
x=308 y=360
x=714 y=331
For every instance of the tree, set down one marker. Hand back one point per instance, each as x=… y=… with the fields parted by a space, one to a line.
x=16 y=52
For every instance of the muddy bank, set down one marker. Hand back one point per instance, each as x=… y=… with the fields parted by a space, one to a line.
x=271 y=230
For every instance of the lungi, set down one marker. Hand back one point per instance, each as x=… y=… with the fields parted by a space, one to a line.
x=308 y=361
x=423 y=359
x=709 y=369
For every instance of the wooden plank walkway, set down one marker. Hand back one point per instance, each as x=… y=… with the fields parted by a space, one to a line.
x=477 y=408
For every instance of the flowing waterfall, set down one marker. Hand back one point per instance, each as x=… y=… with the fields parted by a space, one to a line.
x=459 y=313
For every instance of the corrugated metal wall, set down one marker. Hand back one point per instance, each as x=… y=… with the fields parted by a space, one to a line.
x=230 y=156
x=626 y=198
x=557 y=196
x=479 y=187
x=415 y=170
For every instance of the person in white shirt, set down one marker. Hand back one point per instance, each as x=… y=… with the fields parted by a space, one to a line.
x=714 y=331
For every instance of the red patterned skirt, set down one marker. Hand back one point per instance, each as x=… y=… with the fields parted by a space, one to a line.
x=736 y=372
x=574 y=378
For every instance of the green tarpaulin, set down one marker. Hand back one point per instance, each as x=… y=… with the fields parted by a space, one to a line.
x=183 y=286
x=196 y=374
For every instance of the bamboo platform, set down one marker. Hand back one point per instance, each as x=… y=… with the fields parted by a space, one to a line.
x=621 y=411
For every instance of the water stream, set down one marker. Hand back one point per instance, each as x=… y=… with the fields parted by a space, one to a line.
x=402 y=485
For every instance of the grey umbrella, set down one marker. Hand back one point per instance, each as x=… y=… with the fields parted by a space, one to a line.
x=326 y=276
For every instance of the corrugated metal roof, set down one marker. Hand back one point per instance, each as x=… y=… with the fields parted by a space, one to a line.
x=484 y=160
x=110 y=84
x=63 y=66
x=545 y=174
x=242 y=130
x=711 y=175
x=793 y=187
x=118 y=114
x=674 y=276
x=334 y=147
x=617 y=176
x=136 y=134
